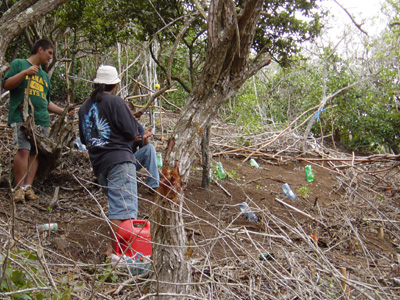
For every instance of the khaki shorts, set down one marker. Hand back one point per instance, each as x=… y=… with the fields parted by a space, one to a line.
x=20 y=138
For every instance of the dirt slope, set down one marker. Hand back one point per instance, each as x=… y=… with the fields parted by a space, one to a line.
x=334 y=226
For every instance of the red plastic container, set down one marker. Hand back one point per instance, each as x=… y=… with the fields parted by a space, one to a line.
x=133 y=239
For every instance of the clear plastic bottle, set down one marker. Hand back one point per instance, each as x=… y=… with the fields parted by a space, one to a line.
x=253 y=163
x=159 y=160
x=309 y=173
x=81 y=147
x=139 y=264
x=288 y=192
x=248 y=213
x=48 y=226
x=220 y=170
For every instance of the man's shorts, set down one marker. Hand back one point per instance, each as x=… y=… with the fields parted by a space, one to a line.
x=119 y=184
x=20 y=138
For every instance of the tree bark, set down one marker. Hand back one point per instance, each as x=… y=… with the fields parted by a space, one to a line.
x=21 y=15
x=205 y=158
x=226 y=68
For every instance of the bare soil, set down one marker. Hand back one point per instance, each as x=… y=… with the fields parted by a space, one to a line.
x=81 y=234
x=333 y=226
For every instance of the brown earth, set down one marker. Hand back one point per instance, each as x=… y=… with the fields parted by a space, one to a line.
x=344 y=222
x=81 y=229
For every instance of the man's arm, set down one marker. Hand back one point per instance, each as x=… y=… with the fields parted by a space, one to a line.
x=14 y=81
x=53 y=108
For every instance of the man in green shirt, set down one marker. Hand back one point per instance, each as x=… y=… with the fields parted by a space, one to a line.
x=16 y=80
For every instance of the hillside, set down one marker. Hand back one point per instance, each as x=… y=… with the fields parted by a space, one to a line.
x=303 y=244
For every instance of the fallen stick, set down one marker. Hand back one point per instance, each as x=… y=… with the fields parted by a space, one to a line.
x=345 y=287
x=299 y=211
x=222 y=188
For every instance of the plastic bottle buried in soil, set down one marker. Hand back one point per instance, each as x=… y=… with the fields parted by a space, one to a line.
x=248 y=213
x=220 y=170
x=288 y=192
x=266 y=256
x=48 y=226
x=159 y=160
x=137 y=265
x=81 y=147
x=309 y=173
x=253 y=163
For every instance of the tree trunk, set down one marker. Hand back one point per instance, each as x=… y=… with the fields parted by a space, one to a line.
x=21 y=15
x=49 y=148
x=205 y=158
x=74 y=53
x=226 y=68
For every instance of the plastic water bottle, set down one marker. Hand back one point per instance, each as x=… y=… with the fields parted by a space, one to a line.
x=48 y=226
x=159 y=160
x=139 y=264
x=81 y=147
x=288 y=192
x=266 y=256
x=248 y=213
x=253 y=163
x=309 y=173
x=220 y=170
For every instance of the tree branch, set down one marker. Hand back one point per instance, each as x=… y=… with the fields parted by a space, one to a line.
x=178 y=79
x=176 y=44
x=16 y=9
x=351 y=18
x=261 y=60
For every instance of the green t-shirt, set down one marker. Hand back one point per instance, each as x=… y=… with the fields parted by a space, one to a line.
x=39 y=92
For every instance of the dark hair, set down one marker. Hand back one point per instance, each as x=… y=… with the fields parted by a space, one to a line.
x=99 y=88
x=45 y=44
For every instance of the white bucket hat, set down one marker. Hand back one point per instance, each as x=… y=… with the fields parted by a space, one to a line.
x=107 y=75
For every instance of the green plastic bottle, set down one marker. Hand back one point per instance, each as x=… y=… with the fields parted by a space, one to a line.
x=309 y=173
x=220 y=170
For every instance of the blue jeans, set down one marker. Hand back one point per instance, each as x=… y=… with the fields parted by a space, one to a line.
x=120 y=186
x=146 y=157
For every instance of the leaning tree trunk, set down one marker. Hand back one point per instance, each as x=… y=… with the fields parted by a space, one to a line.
x=226 y=68
x=21 y=15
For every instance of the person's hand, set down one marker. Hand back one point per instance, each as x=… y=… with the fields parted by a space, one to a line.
x=32 y=70
x=148 y=133
x=138 y=138
x=71 y=112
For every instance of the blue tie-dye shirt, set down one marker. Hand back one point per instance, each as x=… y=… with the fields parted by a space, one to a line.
x=107 y=128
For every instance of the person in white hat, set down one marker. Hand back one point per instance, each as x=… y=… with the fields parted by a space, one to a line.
x=107 y=128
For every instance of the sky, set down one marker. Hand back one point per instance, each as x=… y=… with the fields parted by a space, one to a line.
x=367 y=10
